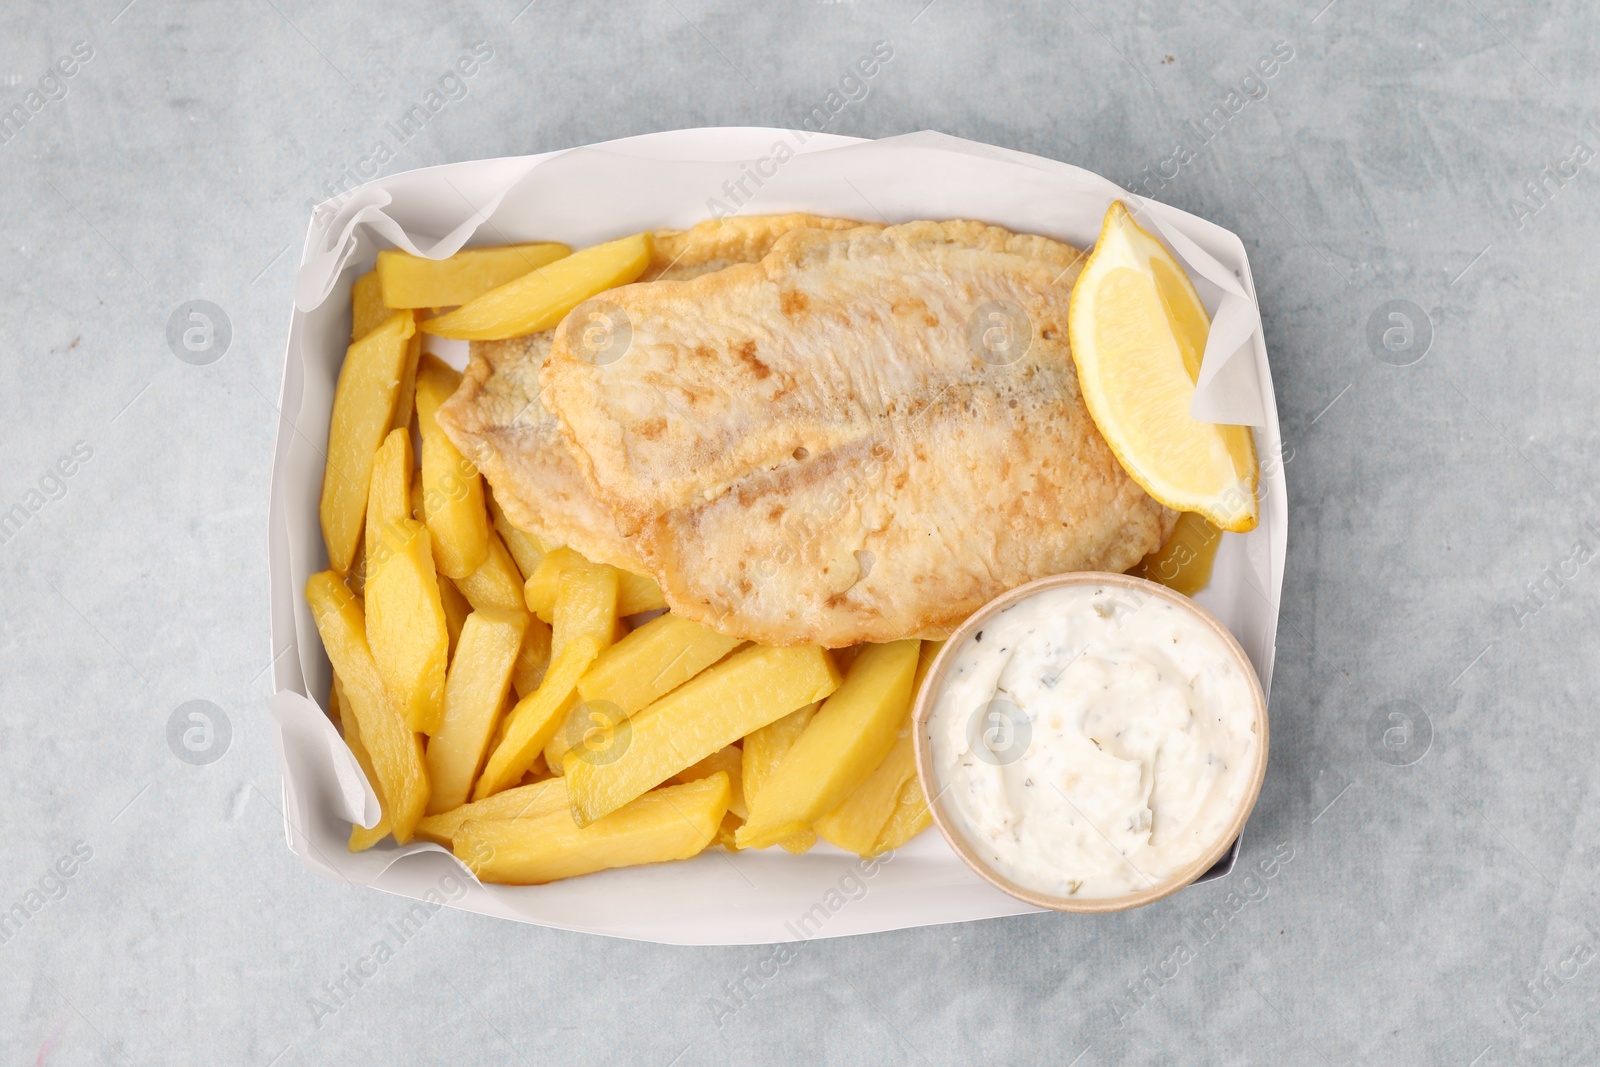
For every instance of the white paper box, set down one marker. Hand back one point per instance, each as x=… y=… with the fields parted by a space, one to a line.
x=673 y=180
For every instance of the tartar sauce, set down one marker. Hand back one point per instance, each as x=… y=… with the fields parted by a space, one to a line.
x=1092 y=741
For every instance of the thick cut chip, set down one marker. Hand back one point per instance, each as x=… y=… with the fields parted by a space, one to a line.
x=405 y=405
x=652 y=661
x=363 y=407
x=531 y=801
x=389 y=496
x=911 y=817
x=406 y=624
x=712 y=710
x=640 y=668
x=480 y=677
x=849 y=736
x=638 y=592
x=535 y=717
x=635 y=592
x=401 y=781
x=587 y=725
x=540 y=590
x=867 y=435
x=764 y=749
x=541 y=298
x=496 y=583
x=1184 y=563
x=361 y=837
x=669 y=824
x=533 y=659
x=416 y=282
x=586 y=607
x=856 y=825
x=727 y=761
x=526 y=548
x=367 y=310
x=585 y=618
x=729 y=828
x=536 y=773
x=456 y=609
x=452 y=488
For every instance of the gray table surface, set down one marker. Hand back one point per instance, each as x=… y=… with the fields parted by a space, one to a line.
x=1432 y=896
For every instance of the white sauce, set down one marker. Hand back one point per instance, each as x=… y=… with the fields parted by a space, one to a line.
x=1092 y=741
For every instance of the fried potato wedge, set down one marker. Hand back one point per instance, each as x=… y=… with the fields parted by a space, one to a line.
x=356 y=577
x=401 y=780
x=639 y=669
x=541 y=298
x=363 y=407
x=389 y=494
x=858 y=823
x=668 y=824
x=496 y=583
x=405 y=404
x=862 y=821
x=524 y=547
x=1184 y=562
x=652 y=661
x=531 y=801
x=710 y=711
x=586 y=607
x=536 y=717
x=727 y=831
x=911 y=817
x=367 y=310
x=475 y=693
x=588 y=725
x=638 y=592
x=849 y=736
x=456 y=610
x=533 y=658
x=764 y=749
x=418 y=512
x=410 y=281
x=635 y=592
x=585 y=616
x=540 y=590
x=361 y=837
x=727 y=761
x=406 y=625
x=452 y=488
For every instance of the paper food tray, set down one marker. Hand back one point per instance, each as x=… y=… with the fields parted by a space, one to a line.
x=674 y=180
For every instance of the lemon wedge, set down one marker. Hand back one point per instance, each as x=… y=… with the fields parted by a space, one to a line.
x=1138 y=330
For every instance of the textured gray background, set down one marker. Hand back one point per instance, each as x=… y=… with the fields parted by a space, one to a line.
x=1385 y=163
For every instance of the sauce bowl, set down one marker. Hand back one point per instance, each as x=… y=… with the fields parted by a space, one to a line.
x=950 y=826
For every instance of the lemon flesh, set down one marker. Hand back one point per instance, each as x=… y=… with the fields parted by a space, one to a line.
x=1138 y=331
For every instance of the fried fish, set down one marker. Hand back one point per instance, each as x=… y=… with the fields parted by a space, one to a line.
x=498 y=420
x=864 y=436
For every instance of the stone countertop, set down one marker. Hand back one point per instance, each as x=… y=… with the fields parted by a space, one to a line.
x=1431 y=816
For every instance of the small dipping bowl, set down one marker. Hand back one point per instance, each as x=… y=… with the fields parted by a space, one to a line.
x=951 y=825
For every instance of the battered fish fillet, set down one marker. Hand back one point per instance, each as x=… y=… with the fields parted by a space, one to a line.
x=497 y=420
x=843 y=443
